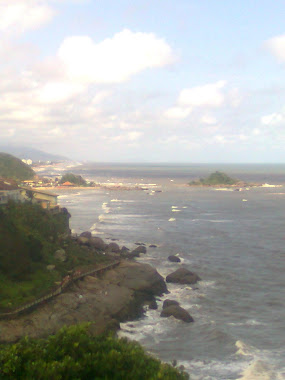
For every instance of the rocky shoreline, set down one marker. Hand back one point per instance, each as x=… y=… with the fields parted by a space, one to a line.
x=114 y=296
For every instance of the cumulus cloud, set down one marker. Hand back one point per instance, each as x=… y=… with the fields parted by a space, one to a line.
x=273 y=119
x=207 y=95
x=18 y=16
x=276 y=46
x=206 y=119
x=178 y=112
x=115 y=59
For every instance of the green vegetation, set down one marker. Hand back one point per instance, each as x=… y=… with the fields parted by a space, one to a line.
x=74 y=179
x=73 y=354
x=29 y=237
x=12 y=167
x=214 y=179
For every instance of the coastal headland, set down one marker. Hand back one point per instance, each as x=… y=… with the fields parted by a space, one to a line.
x=117 y=295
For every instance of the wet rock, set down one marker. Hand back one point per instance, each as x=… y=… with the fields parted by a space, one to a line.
x=177 y=312
x=174 y=259
x=97 y=243
x=139 y=249
x=152 y=246
x=139 y=243
x=183 y=276
x=86 y=234
x=168 y=302
x=83 y=240
x=153 y=304
x=113 y=247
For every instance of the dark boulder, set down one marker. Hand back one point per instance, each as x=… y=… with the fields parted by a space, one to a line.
x=140 y=249
x=86 y=234
x=174 y=259
x=177 y=312
x=113 y=247
x=83 y=240
x=183 y=276
x=152 y=246
x=153 y=304
x=97 y=243
x=168 y=302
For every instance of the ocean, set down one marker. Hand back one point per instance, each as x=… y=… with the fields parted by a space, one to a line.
x=234 y=240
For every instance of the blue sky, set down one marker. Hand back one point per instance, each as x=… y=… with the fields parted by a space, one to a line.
x=144 y=81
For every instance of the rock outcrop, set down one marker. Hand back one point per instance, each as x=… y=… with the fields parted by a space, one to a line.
x=117 y=295
x=177 y=312
x=174 y=259
x=183 y=276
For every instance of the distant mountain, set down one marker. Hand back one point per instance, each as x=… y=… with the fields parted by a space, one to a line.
x=31 y=153
x=14 y=168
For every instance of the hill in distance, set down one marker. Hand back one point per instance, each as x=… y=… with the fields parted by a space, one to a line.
x=215 y=179
x=13 y=168
x=31 y=153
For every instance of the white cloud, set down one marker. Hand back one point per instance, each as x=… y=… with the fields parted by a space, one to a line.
x=115 y=59
x=19 y=16
x=207 y=95
x=273 y=119
x=129 y=137
x=206 y=119
x=276 y=46
x=54 y=92
x=178 y=112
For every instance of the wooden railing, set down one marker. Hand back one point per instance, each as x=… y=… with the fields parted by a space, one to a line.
x=66 y=282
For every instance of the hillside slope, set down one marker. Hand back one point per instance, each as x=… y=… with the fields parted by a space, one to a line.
x=12 y=167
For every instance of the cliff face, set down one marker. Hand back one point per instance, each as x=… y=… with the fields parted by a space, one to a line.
x=117 y=295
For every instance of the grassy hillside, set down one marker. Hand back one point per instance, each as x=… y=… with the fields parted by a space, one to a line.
x=12 y=167
x=29 y=238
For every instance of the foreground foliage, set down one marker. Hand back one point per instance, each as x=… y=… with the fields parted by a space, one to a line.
x=73 y=354
x=14 y=168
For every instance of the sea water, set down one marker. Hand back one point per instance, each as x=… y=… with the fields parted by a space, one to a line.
x=234 y=240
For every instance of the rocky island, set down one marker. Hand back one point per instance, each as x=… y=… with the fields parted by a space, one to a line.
x=218 y=179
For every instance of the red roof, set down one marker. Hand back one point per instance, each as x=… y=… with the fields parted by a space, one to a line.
x=67 y=184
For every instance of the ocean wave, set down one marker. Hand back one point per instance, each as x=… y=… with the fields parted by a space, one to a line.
x=243 y=349
x=259 y=370
x=171 y=219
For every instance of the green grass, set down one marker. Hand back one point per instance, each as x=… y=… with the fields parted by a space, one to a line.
x=29 y=237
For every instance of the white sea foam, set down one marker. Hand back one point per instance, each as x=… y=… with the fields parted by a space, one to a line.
x=243 y=349
x=171 y=219
x=174 y=206
x=258 y=370
x=175 y=210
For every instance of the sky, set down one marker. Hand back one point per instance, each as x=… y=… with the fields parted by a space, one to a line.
x=144 y=81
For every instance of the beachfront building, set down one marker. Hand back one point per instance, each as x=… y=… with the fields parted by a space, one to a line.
x=45 y=199
x=9 y=191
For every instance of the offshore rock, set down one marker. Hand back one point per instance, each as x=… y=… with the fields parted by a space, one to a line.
x=174 y=259
x=139 y=249
x=177 y=312
x=116 y=295
x=183 y=276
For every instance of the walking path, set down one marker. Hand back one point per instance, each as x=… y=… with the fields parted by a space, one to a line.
x=66 y=282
